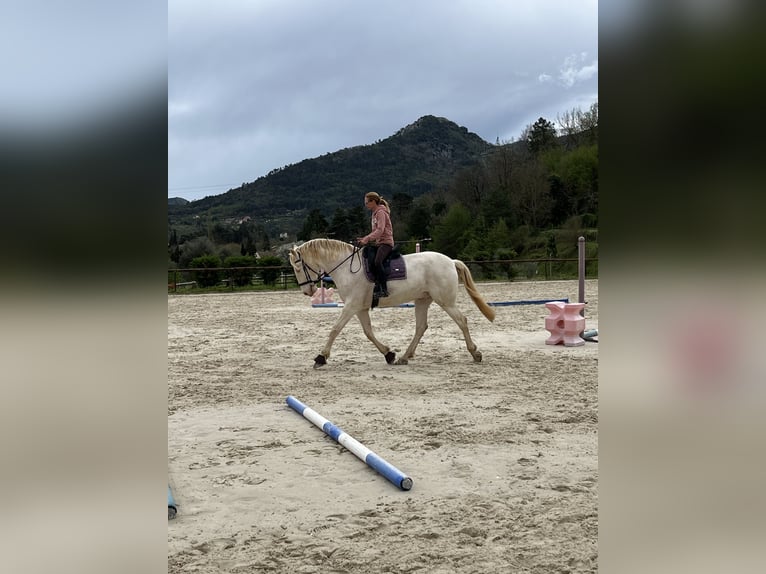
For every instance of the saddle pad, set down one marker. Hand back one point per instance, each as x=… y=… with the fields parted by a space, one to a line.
x=396 y=269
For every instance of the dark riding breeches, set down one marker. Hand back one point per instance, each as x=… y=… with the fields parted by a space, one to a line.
x=380 y=274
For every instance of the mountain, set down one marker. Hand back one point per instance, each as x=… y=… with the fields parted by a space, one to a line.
x=177 y=201
x=421 y=157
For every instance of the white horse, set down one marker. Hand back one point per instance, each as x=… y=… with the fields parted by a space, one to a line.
x=431 y=276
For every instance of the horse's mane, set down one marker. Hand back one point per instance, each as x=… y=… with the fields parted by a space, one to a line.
x=322 y=248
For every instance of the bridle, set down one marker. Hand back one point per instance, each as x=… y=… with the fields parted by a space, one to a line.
x=321 y=275
x=306 y=268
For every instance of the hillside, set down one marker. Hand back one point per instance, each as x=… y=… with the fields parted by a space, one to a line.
x=421 y=157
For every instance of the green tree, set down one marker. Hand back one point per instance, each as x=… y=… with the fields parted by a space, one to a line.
x=265 y=240
x=205 y=275
x=223 y=233
x=240 y=276
x=579 y=173
x=589 y=124
x=174 y=250
x=314 y=226
x=453 y=234
x=401 y=205
x=340 y=226
x=561 y=201
x=248 y=246
x=358 y=221
x=531 y=197
x=501 y=170
x=496 y=206
x=419 y=221
x=270 y=273
x=196 y=247
x=541 y=136
x=499 y=236
x=470 y=187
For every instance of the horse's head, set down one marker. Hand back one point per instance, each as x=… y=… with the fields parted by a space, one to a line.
x=304 y=274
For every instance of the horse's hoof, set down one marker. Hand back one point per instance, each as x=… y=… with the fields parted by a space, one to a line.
x=402 y=361
x=319 y=361
x=477 y=357
x=390 y=357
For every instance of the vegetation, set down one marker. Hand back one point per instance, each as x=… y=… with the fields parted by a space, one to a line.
x=448 y=190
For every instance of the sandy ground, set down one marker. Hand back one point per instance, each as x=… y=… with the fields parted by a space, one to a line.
x=503 y=453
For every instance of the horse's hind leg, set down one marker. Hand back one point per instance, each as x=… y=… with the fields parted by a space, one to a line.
x=364 y=319
x=462 y=322
x=421 y=324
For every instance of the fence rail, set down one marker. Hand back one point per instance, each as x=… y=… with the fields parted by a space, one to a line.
x=282 y=277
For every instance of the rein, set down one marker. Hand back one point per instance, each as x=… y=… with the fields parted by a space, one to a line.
x=321 y=275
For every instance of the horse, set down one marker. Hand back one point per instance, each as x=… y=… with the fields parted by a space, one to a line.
x=430 y=277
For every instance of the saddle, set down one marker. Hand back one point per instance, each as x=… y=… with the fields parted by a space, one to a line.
x=393 y=265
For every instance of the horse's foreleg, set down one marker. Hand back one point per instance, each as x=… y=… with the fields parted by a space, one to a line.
x=421 y=324
x=321 y=359
x=462 y=322
x=364 y=320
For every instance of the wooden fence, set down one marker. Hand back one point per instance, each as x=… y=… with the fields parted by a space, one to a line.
x=282 y=277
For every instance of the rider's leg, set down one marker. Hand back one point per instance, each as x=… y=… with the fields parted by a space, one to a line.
x=380 y=274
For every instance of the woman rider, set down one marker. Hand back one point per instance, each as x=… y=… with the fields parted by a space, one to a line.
x=382 y=235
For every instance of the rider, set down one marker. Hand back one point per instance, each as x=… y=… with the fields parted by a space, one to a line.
x=382 y=235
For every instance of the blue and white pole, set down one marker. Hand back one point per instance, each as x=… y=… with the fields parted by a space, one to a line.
x=172 y=508
x=389 y=471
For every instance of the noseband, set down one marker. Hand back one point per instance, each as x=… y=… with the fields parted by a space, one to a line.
x=306 y=268
x=319 y=275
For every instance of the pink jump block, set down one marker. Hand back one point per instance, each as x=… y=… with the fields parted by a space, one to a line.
x=565 y=324
x=323 y=295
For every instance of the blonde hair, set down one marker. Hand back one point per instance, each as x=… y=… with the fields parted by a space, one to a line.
x=377 y=199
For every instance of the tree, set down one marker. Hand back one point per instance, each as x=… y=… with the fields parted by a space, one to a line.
x=340 y=226
x=265 y=240
x=419 y=220
x=221 y=233
x=589 y=124
x=240 y=277
x=197 y=247
x=470 y=187
x=561 y=202
x=453 y=233
x=174 y=250
x=531 y=196
x=358 y=221
x=206 y=276
x=401 y=204
x=314 y=226
x=270 y=273
x=579 y=127
x=579 y=174
x=569 y=126
x=498 y=236
x=248 y=247
x=541 y=136
x=497 y=206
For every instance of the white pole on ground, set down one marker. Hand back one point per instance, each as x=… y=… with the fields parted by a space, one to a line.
x=388 y=470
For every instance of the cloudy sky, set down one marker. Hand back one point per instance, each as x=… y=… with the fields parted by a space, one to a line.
x=257 y=85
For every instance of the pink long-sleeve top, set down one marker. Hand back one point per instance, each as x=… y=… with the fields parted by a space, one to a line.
x=382 y=229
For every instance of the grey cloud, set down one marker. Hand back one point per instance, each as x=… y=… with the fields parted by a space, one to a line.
x=277 y=82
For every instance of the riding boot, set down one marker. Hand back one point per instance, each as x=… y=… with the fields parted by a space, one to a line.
x=381 y=289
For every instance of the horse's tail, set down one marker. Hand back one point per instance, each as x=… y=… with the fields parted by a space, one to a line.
x=464 y=274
